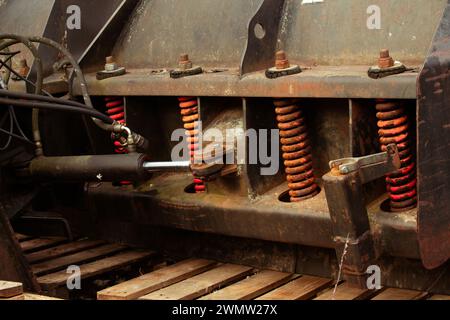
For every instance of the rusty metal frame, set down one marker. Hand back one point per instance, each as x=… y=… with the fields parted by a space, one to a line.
x=397 y=236
x=162 y=202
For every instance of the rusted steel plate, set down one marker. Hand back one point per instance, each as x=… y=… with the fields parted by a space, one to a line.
x=345 y=32
x=52 y=19
x=433 y=150
x=212 y=32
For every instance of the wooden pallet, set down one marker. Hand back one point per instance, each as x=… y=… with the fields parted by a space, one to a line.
x=185 y=280
x=207 y=280
x=49 y=259
x=14 y=291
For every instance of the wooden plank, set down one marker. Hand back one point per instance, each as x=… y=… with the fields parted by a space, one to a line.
x=251 y=287
x=40 y=243
x=21 y=237
x=303 y=288
x=10 y=289
x=201 y=284
x=156 y=280
x=399 y=294
x=32 y=296
x=62 y=250
x=19 y=297
x=76 y=259
x=439 y=297
x=345 y=292
x=54 y=280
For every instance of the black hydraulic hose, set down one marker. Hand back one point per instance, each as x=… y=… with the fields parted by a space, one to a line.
x=60 y=107
x=71 y=59
x=77 y=70
x=133 y=138
x=37 y=97
x=7 y=63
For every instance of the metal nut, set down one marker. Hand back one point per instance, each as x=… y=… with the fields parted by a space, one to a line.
x=183 y=62
x=110 y=64
x=385 y=60
x=281 y=61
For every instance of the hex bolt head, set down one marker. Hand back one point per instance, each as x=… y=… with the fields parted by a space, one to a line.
x=385 y=60
x=384 y=53
x=110 y=64
x=183 y=62
x=281 y=61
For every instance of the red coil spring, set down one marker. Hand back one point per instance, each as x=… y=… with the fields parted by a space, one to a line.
x=190 y=117
x=296 y=150
x=115 y=109
x=394 y=128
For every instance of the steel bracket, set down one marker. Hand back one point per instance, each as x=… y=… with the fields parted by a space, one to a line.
x=260 y=50
x=353 y=239
x=370 y=167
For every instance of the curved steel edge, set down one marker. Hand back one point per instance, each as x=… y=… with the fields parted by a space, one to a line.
x=433 y=150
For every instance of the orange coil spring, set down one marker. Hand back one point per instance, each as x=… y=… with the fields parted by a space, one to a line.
x=296 y=150
x=394 y=128
x=190 y=117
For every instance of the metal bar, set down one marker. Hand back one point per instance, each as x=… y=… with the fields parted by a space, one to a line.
x=167 y=166
x=320 y=82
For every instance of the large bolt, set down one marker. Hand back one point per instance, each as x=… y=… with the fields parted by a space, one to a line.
x=23 y=68
x=281 y=61
x=110 y=64
x=183 y=62
x=385 y=60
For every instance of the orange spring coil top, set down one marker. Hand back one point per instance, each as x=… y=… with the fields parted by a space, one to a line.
x=190 y=117
x=296 y=150
x=394 y=128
